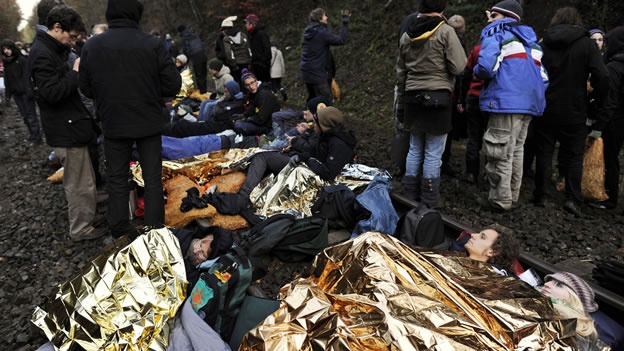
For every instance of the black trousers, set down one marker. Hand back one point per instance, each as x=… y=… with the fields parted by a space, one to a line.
x=262 y=72
x=200 y=69
x=315 y=90
x=26 y=106
x=261 y=164
x=476 y=123
x=571 y=140
x=613 y=137
x=118 y=156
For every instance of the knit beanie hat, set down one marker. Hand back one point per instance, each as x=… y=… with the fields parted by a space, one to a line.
x=181 y=28
x=215 y=64
x=182 y=58
x=579 y=286
x=232 y=87
x=319 y=101
x=508 y=8
x=596 y=30
x=245 y=74
x=228 y=21
x=251 y=18
x=328 y=118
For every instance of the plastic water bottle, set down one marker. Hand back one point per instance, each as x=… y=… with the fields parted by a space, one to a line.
x=52 y=156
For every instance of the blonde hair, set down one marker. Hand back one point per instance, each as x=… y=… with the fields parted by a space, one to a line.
x=573 y=308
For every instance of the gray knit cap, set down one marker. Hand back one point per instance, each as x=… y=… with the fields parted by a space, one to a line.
x=579 y=286
x=508 y=8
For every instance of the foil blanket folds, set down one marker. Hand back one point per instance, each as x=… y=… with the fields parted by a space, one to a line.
x=375 y=293
x=121 y=301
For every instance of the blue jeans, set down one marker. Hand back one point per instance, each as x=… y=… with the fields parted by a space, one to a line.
x=205 y=110
x=425 y=151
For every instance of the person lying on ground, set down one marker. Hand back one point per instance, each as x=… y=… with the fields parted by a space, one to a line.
x=262 y=104
x=332 y=148
x=280 y=118
x=216 y=120
x=572 y=297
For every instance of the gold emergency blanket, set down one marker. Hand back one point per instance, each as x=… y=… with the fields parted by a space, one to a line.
x=375 y=293
x=201 y=168
x=122 y=301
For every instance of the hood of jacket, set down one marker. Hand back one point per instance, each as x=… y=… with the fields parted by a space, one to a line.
x=521 y=31
x=124 y=10
x=422 y=27
x=313 y=28
x=615 y=38
x=237 y=38
x=563 y=35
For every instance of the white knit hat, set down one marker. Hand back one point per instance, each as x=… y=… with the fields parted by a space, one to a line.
x=228 y=21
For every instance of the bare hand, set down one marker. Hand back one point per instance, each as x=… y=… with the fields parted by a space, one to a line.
x=345 y=13
x=76 y=64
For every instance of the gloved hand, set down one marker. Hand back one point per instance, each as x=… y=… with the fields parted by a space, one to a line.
x=595 y=134
x=294 y=161
x=237 y=116
x=345 y=15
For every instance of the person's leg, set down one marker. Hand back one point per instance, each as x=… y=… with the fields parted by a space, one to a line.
x=571 y=150
x=323 y=89
x=79 y=187
x=413 y=165
x=149 y=149
x=260 y=165
x=529 y=152
x=249 y=128
x=476 y=121
x=311 y=91
x=26 y=106
x=544 y=140
x=613 y=137
x=430 y=183
x=200 y=67
x=498 y=153
x=279 y=119
x=117 y=152
x=519 y=129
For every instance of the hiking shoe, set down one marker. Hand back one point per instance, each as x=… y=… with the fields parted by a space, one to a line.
x=573 y=208
x=284 y=95
x=602 y=205
x=94 y=233
x=486 y=205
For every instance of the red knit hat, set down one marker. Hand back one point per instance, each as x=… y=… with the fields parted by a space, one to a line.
x=251 y=18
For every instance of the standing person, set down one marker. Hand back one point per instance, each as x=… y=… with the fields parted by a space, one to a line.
x=278 y=70
x=430 y=56
x=232 y=48
x=129 y=73
x=598 y=36
x=315 y=53
x=515 y=81
x=260 y=46
x=570 y=57
x=17 y=84
x=613 y=131
x=194 y=50
x=66 y=123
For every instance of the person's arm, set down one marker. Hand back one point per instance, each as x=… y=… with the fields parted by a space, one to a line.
x=599 y=80
x=613 y=97
x=261 y=109
x=339 y=154
x=455 y=54
x=53 y=86
x=339 y=39
x=488 y=61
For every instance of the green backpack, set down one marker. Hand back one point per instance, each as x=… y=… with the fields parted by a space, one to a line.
x=220 y=291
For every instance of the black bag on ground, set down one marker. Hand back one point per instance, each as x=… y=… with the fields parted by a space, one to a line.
x=336 y=203
x=610 y=274
x=305 y=238
x=218 y=294
x=422 y=227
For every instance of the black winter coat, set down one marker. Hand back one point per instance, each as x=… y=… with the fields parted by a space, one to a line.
x=65 y=120
x=334 y=150
x=128 y=73
x=262 y=105
x=260 y=46
x=315 y=53
x=16 y=75
x=570 y=56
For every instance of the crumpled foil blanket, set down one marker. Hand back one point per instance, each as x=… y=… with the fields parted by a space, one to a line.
x=122 y=301
x=375 y=293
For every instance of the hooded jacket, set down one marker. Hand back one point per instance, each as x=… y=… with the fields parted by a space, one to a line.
x=570 y=56
x=262 y=105
x=56 y=92
x=614 y=56
x=510 y=63
x=16 y=76
x=430 y=56
x=335 y=148
x=315 y=53
x=128 y=73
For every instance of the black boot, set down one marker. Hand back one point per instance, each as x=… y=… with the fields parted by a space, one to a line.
x=411 y=187
x=430 y=192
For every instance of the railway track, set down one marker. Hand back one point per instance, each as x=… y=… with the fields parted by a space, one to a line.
x=609 y=302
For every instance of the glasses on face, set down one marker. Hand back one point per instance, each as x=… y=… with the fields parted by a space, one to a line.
x=251 y=83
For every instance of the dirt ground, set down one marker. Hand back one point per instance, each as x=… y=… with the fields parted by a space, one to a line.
x=35 y=255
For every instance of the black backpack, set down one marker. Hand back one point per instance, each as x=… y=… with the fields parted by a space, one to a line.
x=240 y=52
x=422 y=227
x=218 y=294
x=336 y=203
x=287 y=238
x=224 y=110
x=610 y=274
